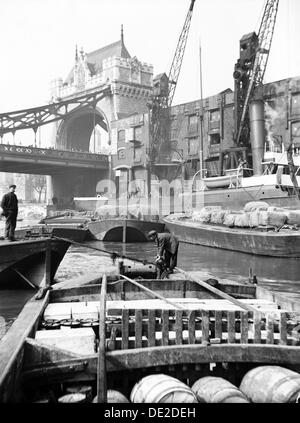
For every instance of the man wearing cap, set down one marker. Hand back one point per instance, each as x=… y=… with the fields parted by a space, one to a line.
x=167 y=248
x=9 y=206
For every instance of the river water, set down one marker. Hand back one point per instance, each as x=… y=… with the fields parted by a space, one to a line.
x=276 y=273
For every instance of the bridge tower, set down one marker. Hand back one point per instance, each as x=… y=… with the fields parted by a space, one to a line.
x=88 y=129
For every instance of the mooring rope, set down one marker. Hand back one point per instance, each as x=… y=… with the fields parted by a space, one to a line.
x=113 y=254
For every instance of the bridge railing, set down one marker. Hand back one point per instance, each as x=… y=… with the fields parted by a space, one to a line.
x=51 y=152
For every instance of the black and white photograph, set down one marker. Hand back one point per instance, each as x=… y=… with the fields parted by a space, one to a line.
x=150 y=204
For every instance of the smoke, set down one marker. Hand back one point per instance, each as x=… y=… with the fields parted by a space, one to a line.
x=274 y=115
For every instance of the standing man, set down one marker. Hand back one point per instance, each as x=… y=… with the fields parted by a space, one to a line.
x=9 y=205
x=167 y=248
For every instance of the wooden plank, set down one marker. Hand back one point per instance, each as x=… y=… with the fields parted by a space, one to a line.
x=152 y=293
x=32 y=285
x=244 y=327
x=12 y=345
x=125 y=329
x=36 y=353
x=283 y=328
x=151 y=328
x=257 y=327
x=270 y=328
x=138 y=328
x=218 y=324
x=191 y=327
x=210 y=288
x=169 y=355
x=231 y=326
x=101 y=368
x=165 y=327
x=178 y=326
x=48 y=263
x=205 y=325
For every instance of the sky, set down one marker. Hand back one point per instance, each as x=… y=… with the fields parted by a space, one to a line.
x=38 y=39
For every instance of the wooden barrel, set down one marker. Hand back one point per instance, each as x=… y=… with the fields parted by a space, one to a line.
x=72 y=398
x=217 y=390
x=114 y=397
x=161 y=388
x=270 y=384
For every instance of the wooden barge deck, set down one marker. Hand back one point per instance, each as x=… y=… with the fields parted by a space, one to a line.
x=189 y=335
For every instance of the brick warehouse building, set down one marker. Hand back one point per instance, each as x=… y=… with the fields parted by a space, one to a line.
x=126 y=116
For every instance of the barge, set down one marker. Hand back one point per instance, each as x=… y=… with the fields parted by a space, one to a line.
x=29 y=262
x=153 y=341
x=284 y=243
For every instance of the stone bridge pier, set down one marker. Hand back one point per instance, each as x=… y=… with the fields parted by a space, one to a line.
x=64 y=187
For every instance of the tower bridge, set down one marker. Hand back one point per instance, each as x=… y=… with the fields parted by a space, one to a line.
x=103 y=87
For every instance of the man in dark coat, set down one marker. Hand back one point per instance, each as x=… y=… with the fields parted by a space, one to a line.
x=167 y=248
x=9 y=206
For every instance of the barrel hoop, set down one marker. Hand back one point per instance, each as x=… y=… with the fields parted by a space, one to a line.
x=230 y=388
x=234 y=391
x=168 y=391
x=233 y=394
x=280 y=382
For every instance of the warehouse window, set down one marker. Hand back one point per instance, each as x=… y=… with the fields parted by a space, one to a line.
x=296 y=104
x=193 y=123
x=193 y=146
x=214 y=139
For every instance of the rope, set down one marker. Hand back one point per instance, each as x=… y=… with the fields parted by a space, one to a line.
x=113 y=254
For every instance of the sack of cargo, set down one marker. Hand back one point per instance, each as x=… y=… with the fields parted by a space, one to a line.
x=196 y=216
x=107 y=211
x=204 y=215
x=229 y=220
x=263 y=218
x=276 y=218
x=242 y=220
x=256 y=205
x=276 y=209
x=254 y=219
x=218 y=216
x=293 y=217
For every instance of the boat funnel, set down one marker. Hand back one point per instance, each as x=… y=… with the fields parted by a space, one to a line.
x=257 y=134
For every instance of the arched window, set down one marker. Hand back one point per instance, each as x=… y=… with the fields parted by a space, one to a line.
x=121 y=135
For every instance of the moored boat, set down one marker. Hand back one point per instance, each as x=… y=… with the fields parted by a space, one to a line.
x=191 y=329
x=263 y=241
x=27 y=262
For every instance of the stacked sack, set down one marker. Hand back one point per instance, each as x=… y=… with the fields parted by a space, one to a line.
x=233 y=218
x=218 y=216
x=254 y=214
x=204 y=215
x=293 y=217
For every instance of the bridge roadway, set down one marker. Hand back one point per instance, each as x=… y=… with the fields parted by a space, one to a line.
x=48 y=161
